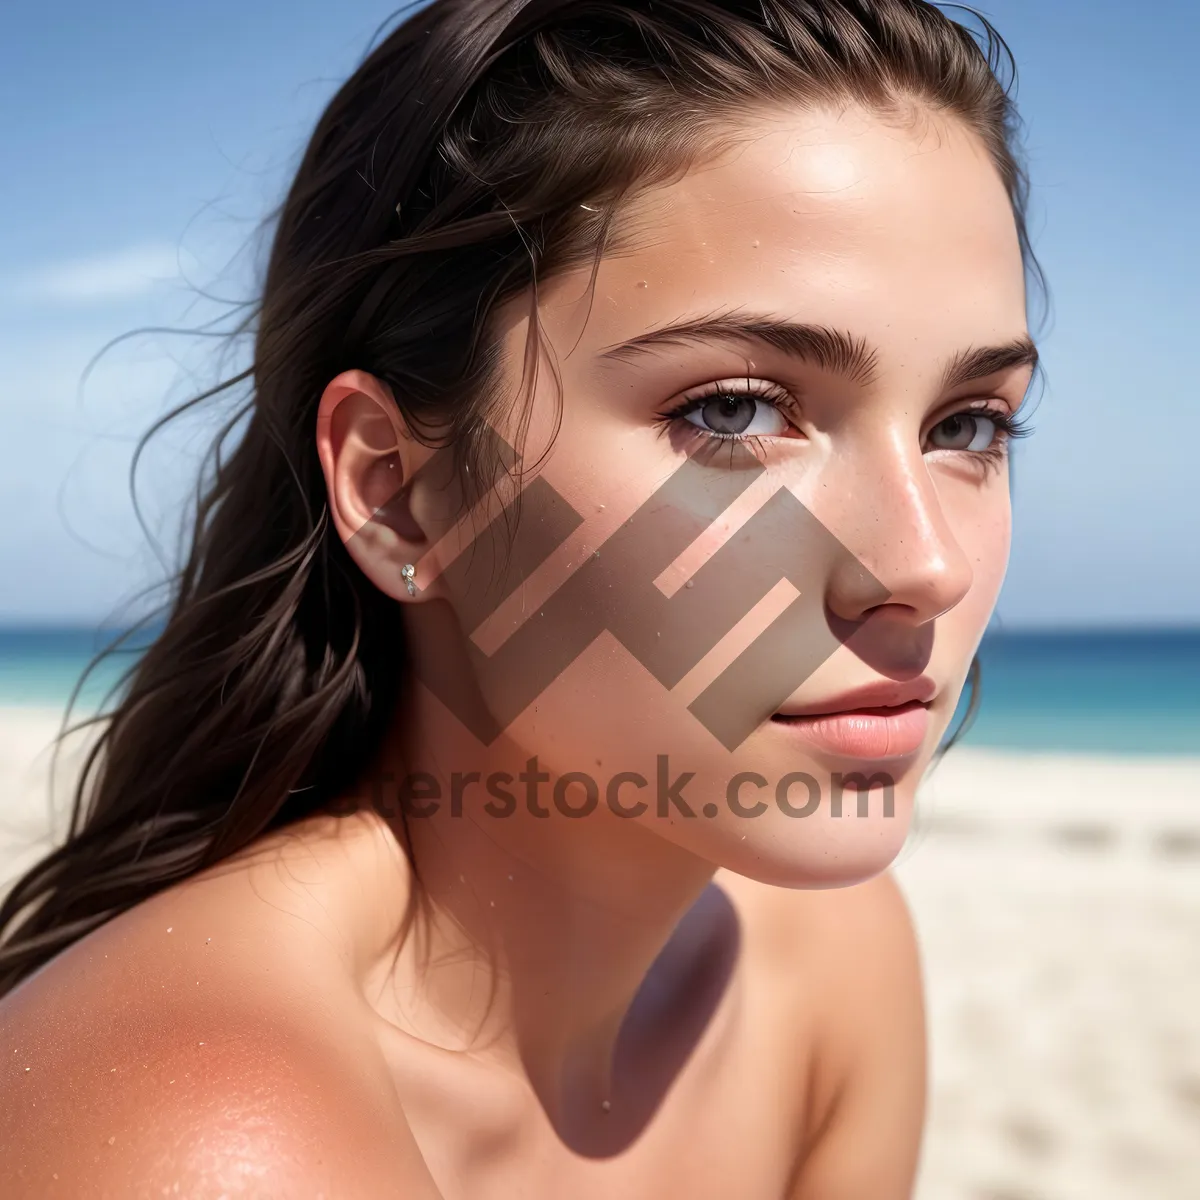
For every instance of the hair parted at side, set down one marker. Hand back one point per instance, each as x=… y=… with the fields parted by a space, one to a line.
x=480 y=148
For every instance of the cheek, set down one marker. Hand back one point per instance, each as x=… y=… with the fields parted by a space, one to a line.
x=981 y=521
x=992 y=539
x=596 y=449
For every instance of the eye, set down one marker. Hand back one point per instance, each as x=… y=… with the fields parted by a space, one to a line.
x=735 y=414
x=965 y=431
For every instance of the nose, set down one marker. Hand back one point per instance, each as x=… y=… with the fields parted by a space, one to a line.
x=895 y=525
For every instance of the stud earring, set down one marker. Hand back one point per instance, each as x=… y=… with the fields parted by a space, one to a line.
x=408 y=574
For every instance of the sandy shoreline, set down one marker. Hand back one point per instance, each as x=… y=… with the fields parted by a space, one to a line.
x=1057 y=898
x=1058 y=903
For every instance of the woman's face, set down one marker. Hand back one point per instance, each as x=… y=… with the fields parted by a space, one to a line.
x=800 y=495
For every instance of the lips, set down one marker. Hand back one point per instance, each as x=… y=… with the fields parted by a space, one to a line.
x=880 y=721
x=885 y=693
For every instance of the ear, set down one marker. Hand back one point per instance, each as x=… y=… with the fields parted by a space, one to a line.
x=369 y=459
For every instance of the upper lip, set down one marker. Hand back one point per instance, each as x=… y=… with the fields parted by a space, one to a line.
x=886 y=693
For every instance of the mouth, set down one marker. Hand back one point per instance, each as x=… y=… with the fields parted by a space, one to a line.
x=876 y=723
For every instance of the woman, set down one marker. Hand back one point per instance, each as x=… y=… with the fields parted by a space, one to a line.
x=621 y=500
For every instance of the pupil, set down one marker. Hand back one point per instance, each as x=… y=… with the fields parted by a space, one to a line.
x=957 y=430
x=729 y=413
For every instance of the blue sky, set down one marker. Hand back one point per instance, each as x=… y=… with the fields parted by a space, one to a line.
x=142 y=141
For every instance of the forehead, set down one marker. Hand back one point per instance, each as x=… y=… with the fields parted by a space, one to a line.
x=895 y=230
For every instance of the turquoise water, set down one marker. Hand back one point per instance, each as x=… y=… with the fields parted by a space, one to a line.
x=1123 y=692
x=42 y=665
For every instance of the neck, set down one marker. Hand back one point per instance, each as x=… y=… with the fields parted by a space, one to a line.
x=574 y=949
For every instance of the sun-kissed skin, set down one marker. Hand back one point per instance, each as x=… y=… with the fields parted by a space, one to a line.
x=598 y=1007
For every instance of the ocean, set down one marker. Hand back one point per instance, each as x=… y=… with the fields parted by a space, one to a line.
x=1112 y=691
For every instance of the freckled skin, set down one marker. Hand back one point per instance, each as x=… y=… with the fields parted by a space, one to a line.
x=668 y=1020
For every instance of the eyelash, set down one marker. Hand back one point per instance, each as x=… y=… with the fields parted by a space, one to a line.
x=1008 y=425
x=771 y=393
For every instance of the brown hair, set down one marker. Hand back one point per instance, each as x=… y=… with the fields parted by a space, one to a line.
x=448 y=174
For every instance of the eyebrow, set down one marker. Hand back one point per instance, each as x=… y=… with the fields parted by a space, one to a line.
x=988 y=360
x=832 y=349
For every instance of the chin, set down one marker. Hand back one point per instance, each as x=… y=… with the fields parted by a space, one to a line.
x=821 y=851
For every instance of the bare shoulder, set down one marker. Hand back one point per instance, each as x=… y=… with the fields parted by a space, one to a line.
x=209 y=1042
x=849 y=959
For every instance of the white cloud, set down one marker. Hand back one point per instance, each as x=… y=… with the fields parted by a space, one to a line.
x=116 y=275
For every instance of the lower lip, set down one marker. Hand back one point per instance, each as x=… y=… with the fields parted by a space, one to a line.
x=867 y=733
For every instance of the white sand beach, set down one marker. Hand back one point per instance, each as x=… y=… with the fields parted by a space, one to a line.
x=1057 y=899
x=1058 y=902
